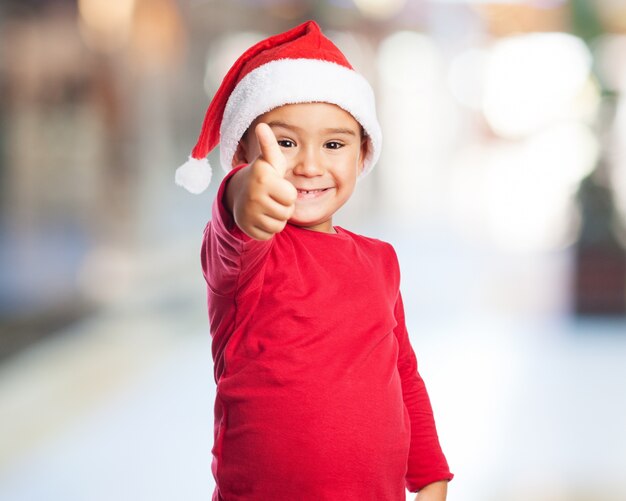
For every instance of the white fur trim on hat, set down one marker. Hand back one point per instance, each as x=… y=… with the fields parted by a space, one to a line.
x=291 y=81
x=194 y=175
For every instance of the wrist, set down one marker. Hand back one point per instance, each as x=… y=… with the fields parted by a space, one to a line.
x=437 y=491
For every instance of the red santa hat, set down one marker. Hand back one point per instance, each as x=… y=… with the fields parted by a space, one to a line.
x=298 y=66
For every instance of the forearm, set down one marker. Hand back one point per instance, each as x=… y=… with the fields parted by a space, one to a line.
x=426 y=462
x=233 y=187
x=229 y=257
x=437 y=491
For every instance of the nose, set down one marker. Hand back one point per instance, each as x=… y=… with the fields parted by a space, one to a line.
x=308 y=163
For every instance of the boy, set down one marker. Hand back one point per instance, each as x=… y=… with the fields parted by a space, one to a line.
x=318 y=395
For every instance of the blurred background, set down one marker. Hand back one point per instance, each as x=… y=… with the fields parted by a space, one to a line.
x=502 y=185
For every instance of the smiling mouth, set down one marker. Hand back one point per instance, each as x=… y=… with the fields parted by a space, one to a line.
x=311 y=194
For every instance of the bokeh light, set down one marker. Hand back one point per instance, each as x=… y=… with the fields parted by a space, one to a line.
x=466 y=77
x=106 y=25
x=524 y=88
x=379 y=9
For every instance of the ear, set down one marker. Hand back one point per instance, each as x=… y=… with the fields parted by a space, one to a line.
x=364 y=150
x=241 y=155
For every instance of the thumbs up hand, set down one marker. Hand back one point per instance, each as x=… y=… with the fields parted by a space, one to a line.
x=260 y=198
x=270 y=150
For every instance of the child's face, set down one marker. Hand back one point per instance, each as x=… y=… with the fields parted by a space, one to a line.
x=325 y=151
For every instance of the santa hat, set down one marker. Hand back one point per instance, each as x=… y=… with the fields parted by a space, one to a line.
x=298 y=66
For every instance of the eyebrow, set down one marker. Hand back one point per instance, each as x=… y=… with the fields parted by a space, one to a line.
x=340 y=131
x=329 y=130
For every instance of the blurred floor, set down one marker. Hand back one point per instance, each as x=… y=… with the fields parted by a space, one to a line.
x=529 y=403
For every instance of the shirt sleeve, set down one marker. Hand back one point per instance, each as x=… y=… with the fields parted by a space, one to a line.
x=230 y=259
x=427 y=463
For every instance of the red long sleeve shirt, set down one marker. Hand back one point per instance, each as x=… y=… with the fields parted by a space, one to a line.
x=318 y=394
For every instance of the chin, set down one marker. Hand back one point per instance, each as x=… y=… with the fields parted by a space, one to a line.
x=301 y=217
x=303 y=222
x=308 y=222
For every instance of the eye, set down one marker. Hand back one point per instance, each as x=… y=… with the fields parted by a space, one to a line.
x=333 y=145
x=286 y=143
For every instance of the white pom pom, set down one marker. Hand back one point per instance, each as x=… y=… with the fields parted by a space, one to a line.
x=194 y=175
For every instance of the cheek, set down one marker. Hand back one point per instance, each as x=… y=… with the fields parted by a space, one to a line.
x=253 y=150
x=348 y=180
